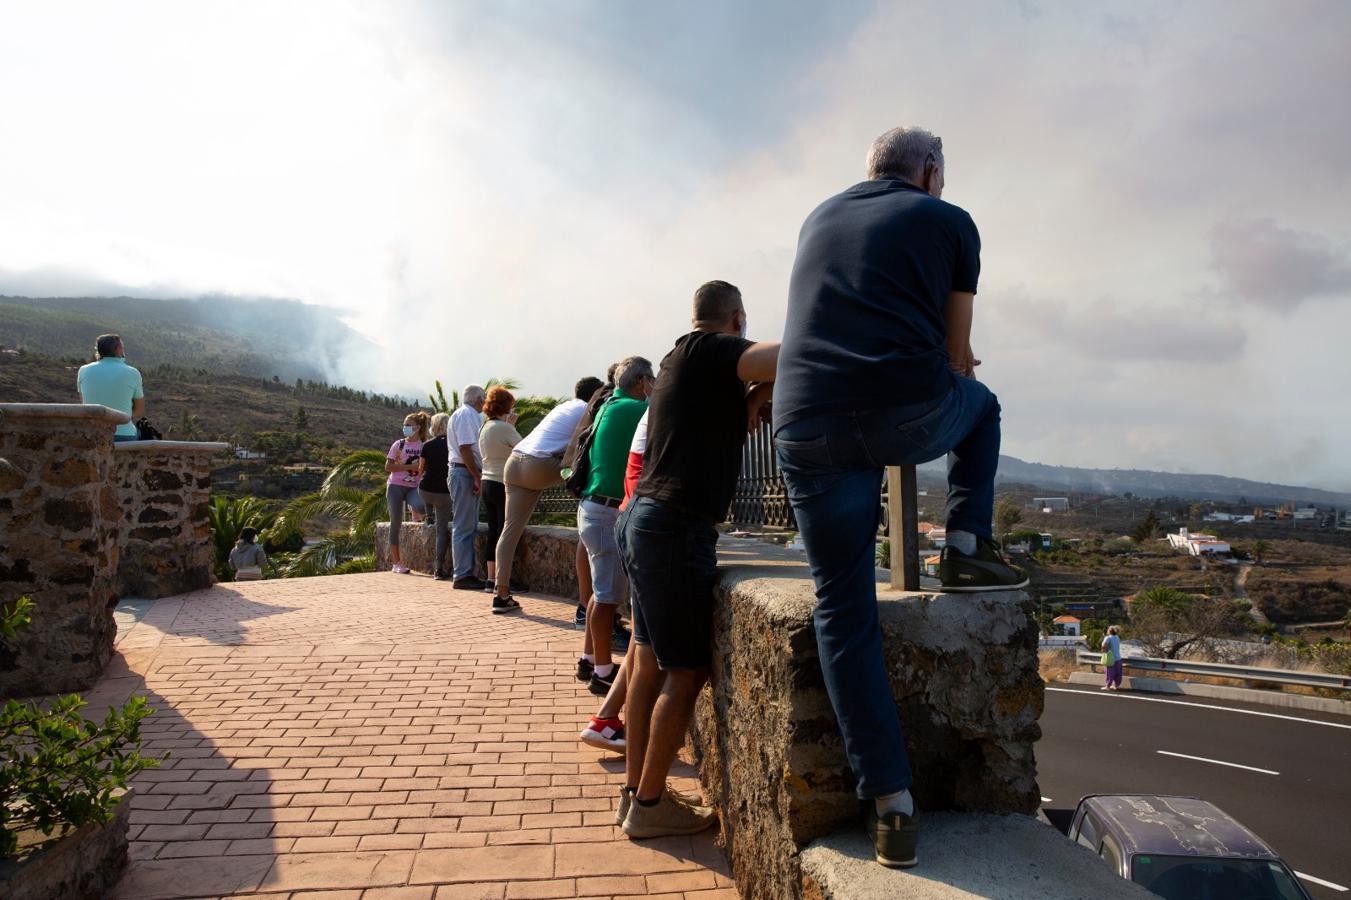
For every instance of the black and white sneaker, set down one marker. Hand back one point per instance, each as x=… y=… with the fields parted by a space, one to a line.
x=601 y=686
x=503 y=605
x=984 y=570
x=585 y=669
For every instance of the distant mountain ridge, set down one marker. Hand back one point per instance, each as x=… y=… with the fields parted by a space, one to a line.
x=1145 y=483
x=257 y=338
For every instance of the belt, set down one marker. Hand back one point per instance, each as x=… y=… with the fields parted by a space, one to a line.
x=455 y=465
x=611 y=502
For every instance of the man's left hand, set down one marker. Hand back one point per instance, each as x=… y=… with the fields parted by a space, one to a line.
x=758 y=406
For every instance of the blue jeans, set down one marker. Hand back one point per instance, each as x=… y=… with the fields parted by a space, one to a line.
x=833 y=467
x=464 y=527
x=596 y=529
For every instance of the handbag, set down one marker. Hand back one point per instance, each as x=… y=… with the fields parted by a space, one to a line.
x=147 y=432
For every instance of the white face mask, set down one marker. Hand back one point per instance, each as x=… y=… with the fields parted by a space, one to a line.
x=744 y=322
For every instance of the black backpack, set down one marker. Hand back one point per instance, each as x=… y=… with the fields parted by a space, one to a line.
x=581 y=468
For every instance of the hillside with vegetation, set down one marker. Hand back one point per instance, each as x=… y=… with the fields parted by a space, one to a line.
x=259 y=338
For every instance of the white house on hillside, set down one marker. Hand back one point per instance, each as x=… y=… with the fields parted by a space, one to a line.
x=1050 y=504
x=1197 y=544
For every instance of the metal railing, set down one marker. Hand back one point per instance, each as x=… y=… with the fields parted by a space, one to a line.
x=761 y=498
x=1250 y=674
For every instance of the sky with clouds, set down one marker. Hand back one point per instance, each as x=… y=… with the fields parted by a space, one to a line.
x=535 y=188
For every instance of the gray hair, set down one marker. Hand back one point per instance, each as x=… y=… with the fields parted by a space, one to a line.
x=905 y=153
x=631 y=372
x=472 y=393
x=440 y=422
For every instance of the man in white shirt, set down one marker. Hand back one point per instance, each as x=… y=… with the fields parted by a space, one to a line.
x=466 y=473
x=533 y=466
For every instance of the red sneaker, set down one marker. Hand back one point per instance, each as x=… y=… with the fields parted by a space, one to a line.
x=604 y=734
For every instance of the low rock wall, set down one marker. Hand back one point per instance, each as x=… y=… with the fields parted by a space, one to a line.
x=82 y=523
x=84 y=864
x=545 y=558
x=163 y=490
x=964 y=677
x=58 y=544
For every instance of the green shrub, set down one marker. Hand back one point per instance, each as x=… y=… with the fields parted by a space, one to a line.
x=59 y=770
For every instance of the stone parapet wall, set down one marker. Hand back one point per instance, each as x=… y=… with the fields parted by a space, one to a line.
x=163 y=489
x=545 y=558
x=964 y=675
x=58 y=544
x=82 y=523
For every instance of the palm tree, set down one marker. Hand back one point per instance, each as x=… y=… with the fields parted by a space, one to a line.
x=228 y=516
x=352 y=493
x=441 y=404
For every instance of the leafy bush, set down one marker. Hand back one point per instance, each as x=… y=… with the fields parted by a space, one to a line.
x=57 y=768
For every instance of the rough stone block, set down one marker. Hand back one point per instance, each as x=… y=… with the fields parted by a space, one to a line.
x=964 y=676
x=545 y=558
x=83 y=865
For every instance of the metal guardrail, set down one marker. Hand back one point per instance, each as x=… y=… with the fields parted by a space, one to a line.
x=1250 y=674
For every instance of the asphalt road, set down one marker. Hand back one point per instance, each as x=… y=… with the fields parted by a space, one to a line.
x=1288 y=772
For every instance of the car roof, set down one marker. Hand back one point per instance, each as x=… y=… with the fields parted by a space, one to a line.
x=1179 y=826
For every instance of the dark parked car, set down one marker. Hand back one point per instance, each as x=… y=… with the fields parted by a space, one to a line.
x=1182 y=848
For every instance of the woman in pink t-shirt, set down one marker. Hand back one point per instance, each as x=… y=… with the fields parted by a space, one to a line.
x=401 y=462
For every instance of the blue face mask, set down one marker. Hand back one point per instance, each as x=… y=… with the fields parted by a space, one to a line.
x=408 y=430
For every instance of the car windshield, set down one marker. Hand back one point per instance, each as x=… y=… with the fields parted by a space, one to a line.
x=1199 y=878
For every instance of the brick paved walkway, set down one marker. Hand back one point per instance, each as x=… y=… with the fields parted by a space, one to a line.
x=377 y=736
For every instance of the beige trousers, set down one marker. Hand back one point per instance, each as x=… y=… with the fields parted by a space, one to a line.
x=526 y=477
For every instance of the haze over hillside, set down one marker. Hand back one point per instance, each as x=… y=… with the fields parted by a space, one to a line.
x=1145 y=483
x=259 y=338
x=290 y=340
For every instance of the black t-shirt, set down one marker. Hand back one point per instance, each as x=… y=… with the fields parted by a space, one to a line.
x=436 y=454
x=865 y=327
x=696 y=426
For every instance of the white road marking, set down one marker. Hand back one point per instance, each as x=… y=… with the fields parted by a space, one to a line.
x=1326 y=884
x=1218 y=762
x=1247 y=712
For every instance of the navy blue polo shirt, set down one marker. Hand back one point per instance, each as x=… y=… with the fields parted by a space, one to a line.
x=875 y=265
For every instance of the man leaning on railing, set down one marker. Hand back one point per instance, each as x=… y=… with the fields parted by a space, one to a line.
x=876 y=369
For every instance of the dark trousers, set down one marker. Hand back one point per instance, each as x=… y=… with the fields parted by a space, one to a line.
x=495 y=509
x=833 y=468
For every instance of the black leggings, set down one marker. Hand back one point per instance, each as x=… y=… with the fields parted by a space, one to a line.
x=495 y=507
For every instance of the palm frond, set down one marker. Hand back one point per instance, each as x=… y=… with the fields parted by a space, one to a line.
x=361 y=465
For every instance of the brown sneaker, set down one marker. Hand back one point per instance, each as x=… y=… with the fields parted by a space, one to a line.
x=673 y=814
x=625 y=801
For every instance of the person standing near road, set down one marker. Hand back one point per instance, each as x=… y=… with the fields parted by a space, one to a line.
x=109 y=381
x=1111 y=658
x=466 y=483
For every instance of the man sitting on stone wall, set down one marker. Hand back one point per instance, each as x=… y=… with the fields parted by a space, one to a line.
x=712 y=384
x=110 y=382
x=877 y=370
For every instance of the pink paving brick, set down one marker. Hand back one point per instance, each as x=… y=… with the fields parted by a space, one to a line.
x=318 y=748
